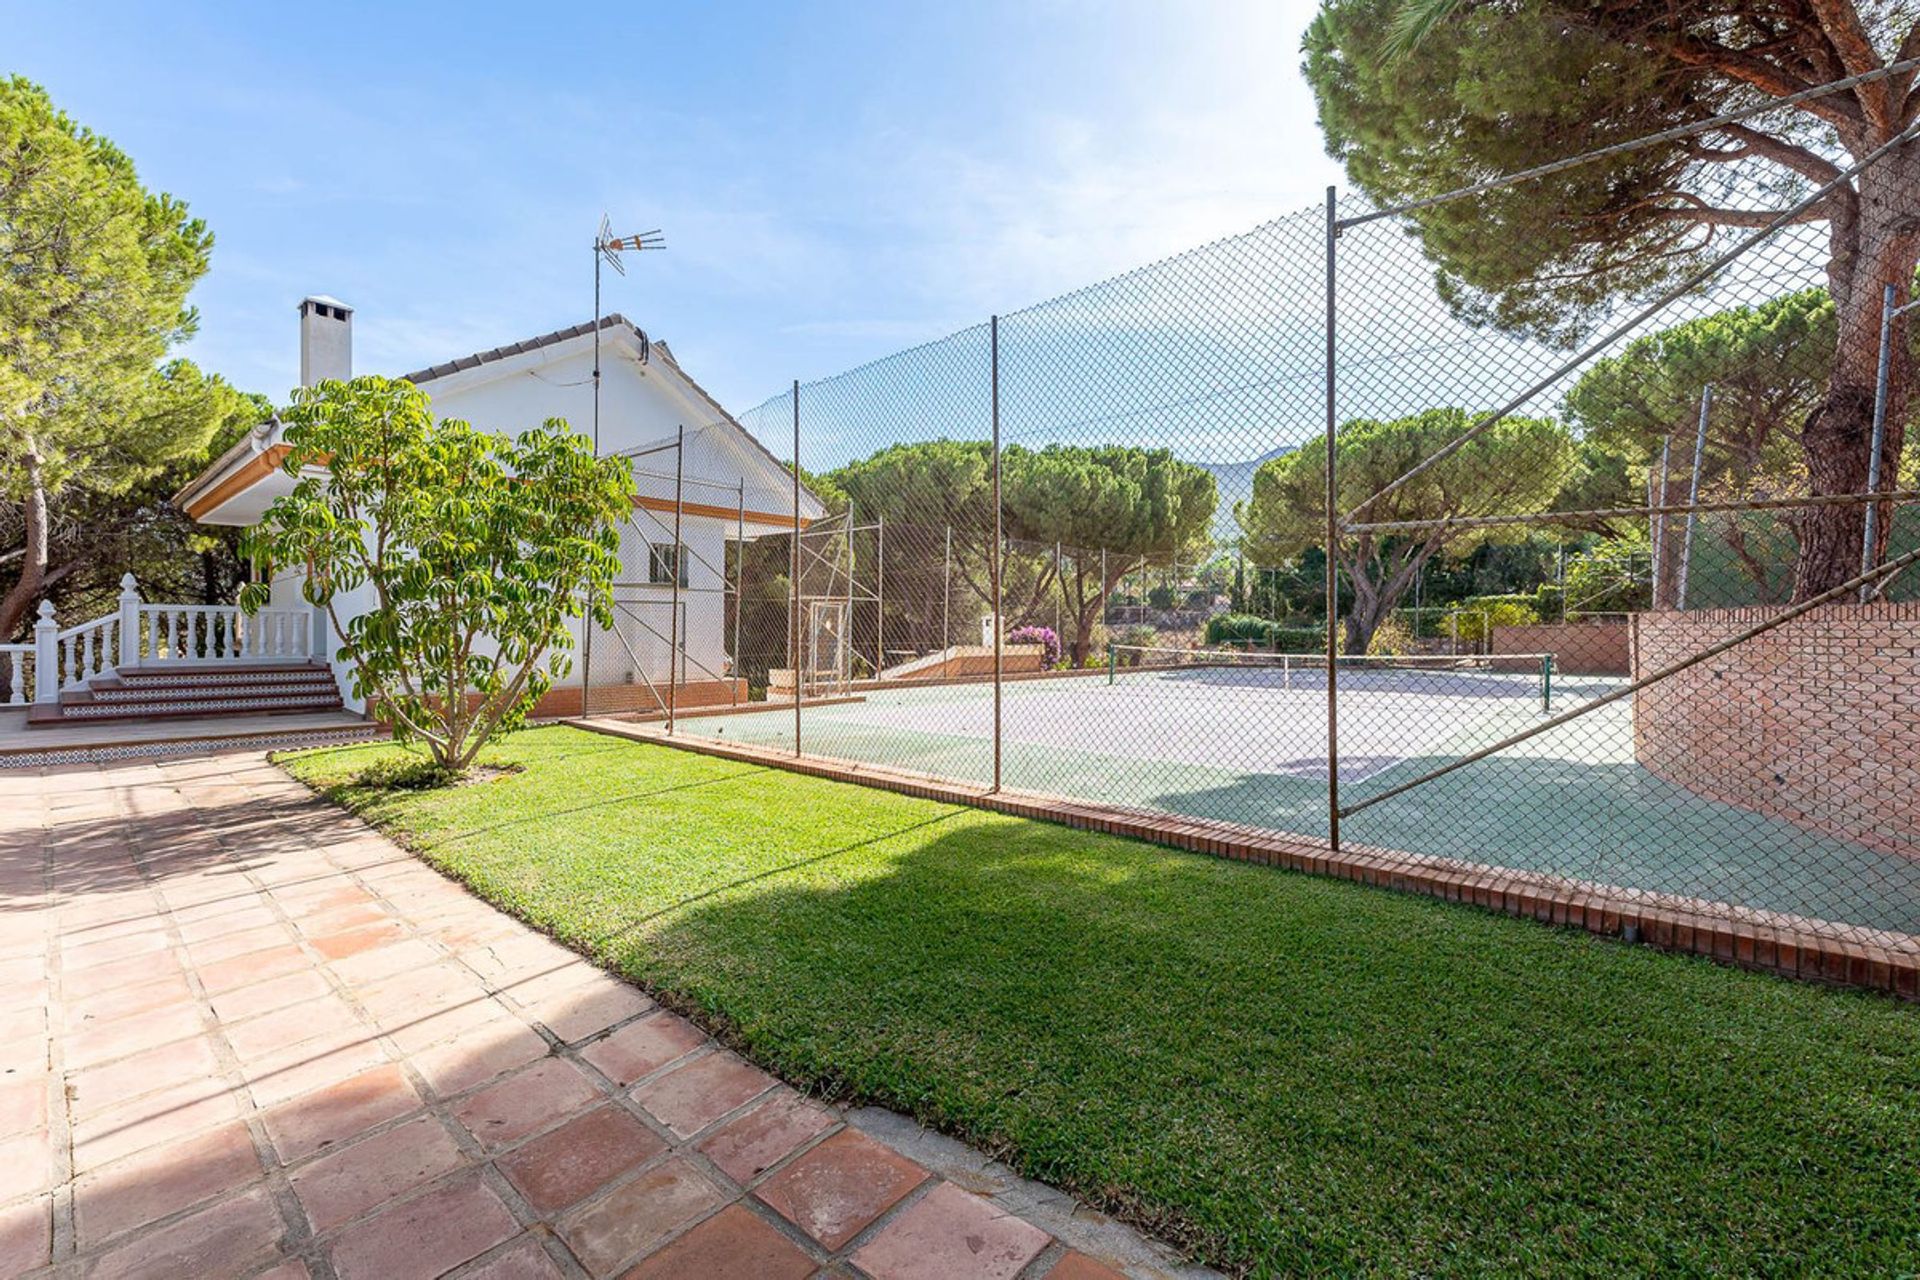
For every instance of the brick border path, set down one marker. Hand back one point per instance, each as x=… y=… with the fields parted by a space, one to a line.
x=243 y=1035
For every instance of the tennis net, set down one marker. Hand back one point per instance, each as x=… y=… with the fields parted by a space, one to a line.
x=1503 y=675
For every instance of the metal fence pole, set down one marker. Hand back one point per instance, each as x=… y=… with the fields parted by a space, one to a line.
x=793 y=583
x=1881 y=388
x=999 y=545
x=1661 y=581
x=1333 y=546
x=880 y=597
x=1693 y=489
x=676 y=634
x=946 y=601
x=739 y=591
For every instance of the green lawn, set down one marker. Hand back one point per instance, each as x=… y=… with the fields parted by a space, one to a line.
x=1287 y=1074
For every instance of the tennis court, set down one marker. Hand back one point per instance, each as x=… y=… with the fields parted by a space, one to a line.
x=1245 y=742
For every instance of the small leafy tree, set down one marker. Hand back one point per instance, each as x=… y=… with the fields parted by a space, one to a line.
x=1517 y=467
x=477 y=551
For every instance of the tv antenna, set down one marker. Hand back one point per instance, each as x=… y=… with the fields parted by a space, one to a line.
x=607 y=248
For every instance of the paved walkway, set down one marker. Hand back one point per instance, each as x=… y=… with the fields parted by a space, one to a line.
x=243 y=1035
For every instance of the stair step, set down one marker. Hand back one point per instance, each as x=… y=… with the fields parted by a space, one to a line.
x=222 y=671
x=141 y=696
x=180 y=707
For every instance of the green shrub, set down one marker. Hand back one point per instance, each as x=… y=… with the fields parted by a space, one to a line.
x=1238 y=628
x=1484 y=612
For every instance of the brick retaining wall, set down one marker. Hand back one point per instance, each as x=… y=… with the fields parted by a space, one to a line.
x=1817 y=721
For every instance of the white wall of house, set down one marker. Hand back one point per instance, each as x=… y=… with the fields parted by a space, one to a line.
x=647 y=408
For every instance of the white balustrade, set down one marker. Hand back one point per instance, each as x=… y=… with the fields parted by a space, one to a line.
x=141 y=634
x=15 y=659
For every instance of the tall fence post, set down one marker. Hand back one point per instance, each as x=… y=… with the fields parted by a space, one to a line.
x=46 y=656
x=1693 y=490
x=739 y=593
x=999 y=543
x=676 y=634
x=793 y=581
x=129 y=621
x=879 y=597
x=1333 y=547
x=946 y=603
x=1882 y=384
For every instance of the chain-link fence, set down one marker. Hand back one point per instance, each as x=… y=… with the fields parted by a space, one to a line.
x=1605 y=578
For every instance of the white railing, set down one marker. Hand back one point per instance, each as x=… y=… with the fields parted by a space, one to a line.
x=221 y=633
x=16 y=660
x=87 y=651
x=142 y=634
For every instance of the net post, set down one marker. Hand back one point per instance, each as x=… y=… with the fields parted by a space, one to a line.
x=1546 y=684
x=1110 y=662
x=1333 y=537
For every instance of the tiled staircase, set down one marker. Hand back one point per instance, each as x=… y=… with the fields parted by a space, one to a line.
x=182 y=690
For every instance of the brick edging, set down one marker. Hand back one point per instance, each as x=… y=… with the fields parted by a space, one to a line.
x=1773 y=942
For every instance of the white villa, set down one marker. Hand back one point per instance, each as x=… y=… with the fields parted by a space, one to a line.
x=731 y=488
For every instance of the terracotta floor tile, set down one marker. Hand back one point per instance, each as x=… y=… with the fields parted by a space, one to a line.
x=26 y=1235
x=242 y=943
x=751 y=1144
x=105 y=1041
x=312 y=1064
x=98 y=1087
x=477 y=1056
x=523 y=1261
x=165 y=1115
x=391 y=961
x=26 y=1164
x=123 y=1002
x=225 y=975
x=344 y=1184
x=525 y=1102
x=425 y=1237
x=590 y=1009
x=733 y=1244
x=689 y=1098
x=948 y=1233
x=567 y=1165
x=121 y=975
x=338 y=946
x=163 y=1180
x=637 y=1215
x=23 y=1104
x=334 y=1114
x=641 y=1048
x=225 y=1239
x=1078 y=1266
x=272 y=1032
x=840 y=1186
x=251 y=1001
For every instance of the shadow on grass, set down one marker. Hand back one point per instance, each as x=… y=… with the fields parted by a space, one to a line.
x=1293 y=1075
x=1613 y=822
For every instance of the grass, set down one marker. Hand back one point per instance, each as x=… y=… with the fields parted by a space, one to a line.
x=1287 y=1075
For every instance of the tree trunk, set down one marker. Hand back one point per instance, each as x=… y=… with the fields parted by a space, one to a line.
x=1871 y=249
x=33 y=563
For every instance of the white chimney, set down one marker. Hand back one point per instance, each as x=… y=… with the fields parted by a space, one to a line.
x=326 y=339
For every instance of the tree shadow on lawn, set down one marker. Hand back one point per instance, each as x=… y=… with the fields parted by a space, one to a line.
x=1290 y=1074
x=1613 y=822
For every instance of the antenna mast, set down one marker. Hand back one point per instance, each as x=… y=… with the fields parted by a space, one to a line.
x=607 y=248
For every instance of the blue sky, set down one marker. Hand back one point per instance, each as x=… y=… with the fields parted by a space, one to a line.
x=835 y=181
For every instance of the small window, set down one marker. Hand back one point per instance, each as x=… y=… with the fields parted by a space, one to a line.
x=661 y=563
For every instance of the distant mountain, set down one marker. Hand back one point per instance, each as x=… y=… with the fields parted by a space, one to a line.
x=1234 y=481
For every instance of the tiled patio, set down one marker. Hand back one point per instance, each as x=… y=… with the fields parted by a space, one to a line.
x=242 y=1035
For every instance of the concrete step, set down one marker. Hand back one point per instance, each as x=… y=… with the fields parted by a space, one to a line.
x=83 y=707
x=112 y=690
